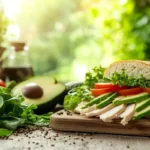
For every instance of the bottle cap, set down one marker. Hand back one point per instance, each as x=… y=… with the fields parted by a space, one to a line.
x=18 y=46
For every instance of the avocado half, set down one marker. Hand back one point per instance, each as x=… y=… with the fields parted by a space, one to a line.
x=53 y=93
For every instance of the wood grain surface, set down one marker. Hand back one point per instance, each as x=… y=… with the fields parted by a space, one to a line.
x=66 y=121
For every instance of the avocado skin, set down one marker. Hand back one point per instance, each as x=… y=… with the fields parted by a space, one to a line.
x=58 y=99
x=69 y=86
x=73 y=84
x=50 y=105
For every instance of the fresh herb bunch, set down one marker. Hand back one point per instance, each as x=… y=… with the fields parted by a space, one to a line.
x=14 y=114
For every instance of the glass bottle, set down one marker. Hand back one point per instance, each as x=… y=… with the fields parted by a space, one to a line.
x=17 y=65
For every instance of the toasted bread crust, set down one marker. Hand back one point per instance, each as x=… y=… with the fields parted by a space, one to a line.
x=133 y=68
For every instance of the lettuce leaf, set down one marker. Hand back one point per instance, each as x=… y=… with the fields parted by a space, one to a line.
x=83 y=93
x=124 y=80
x=94 y=76
x=76 y=95
x=14 y=114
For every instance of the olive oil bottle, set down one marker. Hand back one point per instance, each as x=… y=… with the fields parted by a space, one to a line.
x=17 y=65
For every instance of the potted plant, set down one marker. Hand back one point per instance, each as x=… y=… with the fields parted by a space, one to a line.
x=3 y=29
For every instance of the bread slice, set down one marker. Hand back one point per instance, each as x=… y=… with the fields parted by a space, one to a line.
x=133 y=68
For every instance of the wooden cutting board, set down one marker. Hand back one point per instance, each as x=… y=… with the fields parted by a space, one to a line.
x=66 y=121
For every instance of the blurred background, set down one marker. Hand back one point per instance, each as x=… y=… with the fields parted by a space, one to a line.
x=68 y=37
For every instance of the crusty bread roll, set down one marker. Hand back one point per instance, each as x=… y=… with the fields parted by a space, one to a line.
x=133 y=68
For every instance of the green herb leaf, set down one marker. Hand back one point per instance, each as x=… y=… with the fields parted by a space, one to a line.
x=11 y=122
x=14 y=114
x=34 y=119
x=5 y=132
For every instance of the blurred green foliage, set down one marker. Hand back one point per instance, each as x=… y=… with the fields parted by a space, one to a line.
x=3 y=26
x=69 y=37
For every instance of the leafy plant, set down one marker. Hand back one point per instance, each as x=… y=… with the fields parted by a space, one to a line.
x=14 y=114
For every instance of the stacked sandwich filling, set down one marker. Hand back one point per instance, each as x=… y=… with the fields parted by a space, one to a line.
x=122 y=92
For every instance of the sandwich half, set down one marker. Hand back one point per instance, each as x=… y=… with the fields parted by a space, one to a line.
x=121 y=91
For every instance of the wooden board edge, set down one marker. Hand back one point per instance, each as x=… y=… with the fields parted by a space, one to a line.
x=79 y=123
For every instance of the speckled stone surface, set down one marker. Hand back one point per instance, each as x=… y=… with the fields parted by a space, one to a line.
x=45 y=138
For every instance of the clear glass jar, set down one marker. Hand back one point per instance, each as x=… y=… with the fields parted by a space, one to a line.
x=17 y=65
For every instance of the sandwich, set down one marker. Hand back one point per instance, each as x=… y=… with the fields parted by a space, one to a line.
x=120 y=91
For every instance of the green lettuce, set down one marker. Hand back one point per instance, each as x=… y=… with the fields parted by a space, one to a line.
x=14 y=114
x=83 y=93
x=124 y=80
x=93 y=76
x=76 y=95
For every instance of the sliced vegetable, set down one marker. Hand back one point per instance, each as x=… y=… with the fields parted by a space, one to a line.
x=107 y=101
x=2 y=83
x=97 y=99
x=146 y=90
x=141 y=105
x=143 y=113
x=130 y=91
x=132 y=99
x=118 y=98
x=105 y=85
x=99 y=91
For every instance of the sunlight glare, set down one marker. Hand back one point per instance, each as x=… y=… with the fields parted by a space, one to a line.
x=79 y=70
x=11 y=8
x=13 y=32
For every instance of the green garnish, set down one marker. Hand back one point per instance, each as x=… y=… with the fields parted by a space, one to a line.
x=14 y=114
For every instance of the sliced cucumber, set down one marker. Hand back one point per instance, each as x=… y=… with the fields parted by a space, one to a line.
x=97 y=100
x=143 y=113
x=107 y=101
x=141 y=105
x=132 y=99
